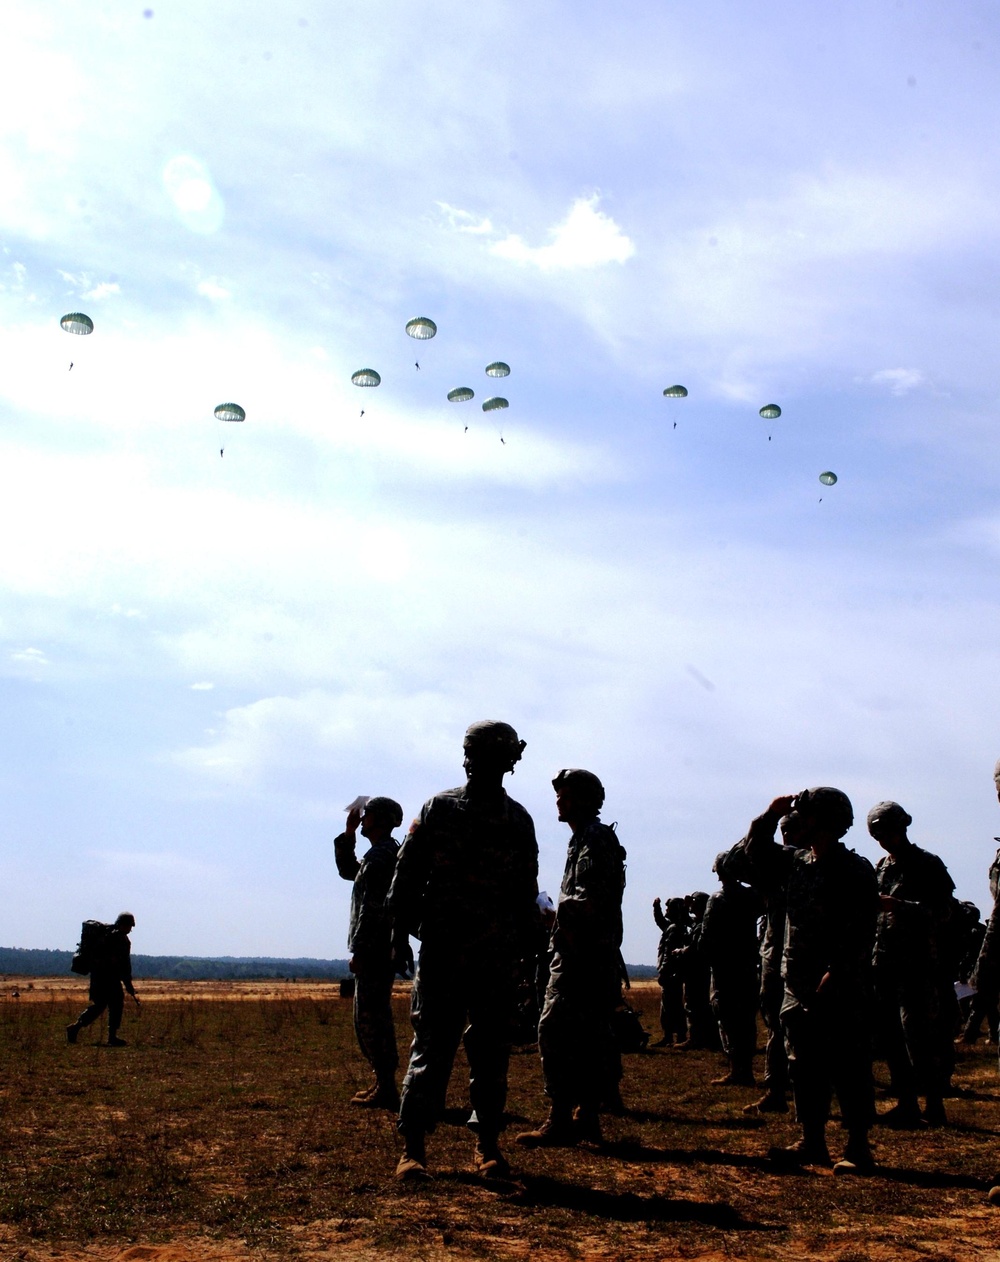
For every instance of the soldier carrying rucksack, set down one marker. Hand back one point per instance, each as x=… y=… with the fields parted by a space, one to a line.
x=105 y=952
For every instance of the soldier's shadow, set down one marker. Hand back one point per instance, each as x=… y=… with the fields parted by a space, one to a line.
x=541 y=1190
x=634 y=1152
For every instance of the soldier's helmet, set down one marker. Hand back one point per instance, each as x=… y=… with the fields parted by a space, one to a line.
x=493 y=737
x=830 y=808
x=676 y=908
x=889 y=813
x=584 y=784
x=385 y=810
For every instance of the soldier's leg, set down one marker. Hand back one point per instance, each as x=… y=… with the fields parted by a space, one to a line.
x=116 y=1009
x=99 y=994
x=809 y=1071
x=775 y=1060
x=925 y=1035
x=374 y=1027
x=848 y=1035
x=437 y=1013
x=561 y=1036
x=487 y=1039
x=896 y=1050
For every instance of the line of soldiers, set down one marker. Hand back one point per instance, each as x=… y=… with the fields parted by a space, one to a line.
x=848 y=952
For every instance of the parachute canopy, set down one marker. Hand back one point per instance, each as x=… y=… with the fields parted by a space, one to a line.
x=230 y=412
x=828 y=478
x=77 y=322
x=491 y=405
x=498 y=369
x=675 y=392
x=770 y=411
x=462 y=395
x=421 y=327
x=366 y=377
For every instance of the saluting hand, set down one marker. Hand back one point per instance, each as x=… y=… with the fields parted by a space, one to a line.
x=353 y=820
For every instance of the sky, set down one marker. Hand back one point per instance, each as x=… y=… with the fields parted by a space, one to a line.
x=204 y=658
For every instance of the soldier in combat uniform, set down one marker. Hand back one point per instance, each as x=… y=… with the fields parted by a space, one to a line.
x=987 y=975
x=729 y=941
x=832 y=906
x=465 y=884
x=110 y=972
x=673 y=938
x=915 y=893
x=580 y=1063
x=370 y=942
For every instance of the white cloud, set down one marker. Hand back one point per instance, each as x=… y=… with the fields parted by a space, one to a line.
x=463 y=221
x=587 y=237
x=104 y=290
x=30 y=657
x=898 y=380
x=203 y=686
x=213 y=290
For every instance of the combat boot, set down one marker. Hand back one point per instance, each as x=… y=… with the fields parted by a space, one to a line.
x=770 y=1102
x=72 y=1031
x=489 y=1160
x=115 y=1041
x=412 y=1165
x=557 y=1131
x=588 y=1126
x=934 y=1114
x=857 y=1158
x=808 y=1151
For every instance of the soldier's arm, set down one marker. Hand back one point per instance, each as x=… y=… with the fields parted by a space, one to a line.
x=658 y=916
x=343 y=852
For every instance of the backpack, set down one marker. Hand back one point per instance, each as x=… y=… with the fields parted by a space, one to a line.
x=93 y=936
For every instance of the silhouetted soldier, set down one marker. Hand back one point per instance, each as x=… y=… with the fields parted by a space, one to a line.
x=370 y=942
x=772 y=988
x=673 y=938
x=987 y=978
x=832 y=907
x=702 y=1027
x=110 y=977
x=465 y=885
x=915 y=893
x=580 y=1063
x=730 y=945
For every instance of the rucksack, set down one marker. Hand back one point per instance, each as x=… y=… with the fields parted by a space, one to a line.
x=93 y=936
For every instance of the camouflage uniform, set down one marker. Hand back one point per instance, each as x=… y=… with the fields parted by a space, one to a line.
x=465 y=885
x=987 y=975
x=702 y=1027
x=111 y=971
x=580 y=1063
x=910 y=981
x=370 y=942
x=832 y=907
x=772 y=993
x=673 y=937
x=729 y=942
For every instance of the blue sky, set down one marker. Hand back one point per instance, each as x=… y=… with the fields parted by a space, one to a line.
x=202 y=659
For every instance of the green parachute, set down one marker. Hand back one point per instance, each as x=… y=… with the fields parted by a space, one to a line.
x=230 y=412
x=77 y=322
x=491 y=405
x=828 y=478
x=770 y=411
x=461 y=395
x=675 y=392
x=498 y=369
x=366 y=377
x=421 y=327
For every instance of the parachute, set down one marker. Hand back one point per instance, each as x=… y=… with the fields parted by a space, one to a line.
x=770 y=411
x=462 y=395
x=230 y=412
x=675 y=392
x=421 y=327
x=498 y=369
x=77 y=322
x=366 y=377
x=491 y=405
x=828 y=478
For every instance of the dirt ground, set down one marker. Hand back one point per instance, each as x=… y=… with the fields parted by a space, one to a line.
x=223 y=1133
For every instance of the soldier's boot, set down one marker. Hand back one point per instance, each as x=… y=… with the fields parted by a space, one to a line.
x=934 y=1114
x=365 y=1094
x=904 y=1116
x=810 y=1150
x=770 y=1102
x=557 y=1131
x=115 y=1041
x=72 y=1031
x=588 y=1125
x=412 y=1165
x=384 y=1095
x=489 y=1160
x=857 y=1158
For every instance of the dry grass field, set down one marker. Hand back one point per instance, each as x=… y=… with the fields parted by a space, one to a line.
x=223 y=1132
